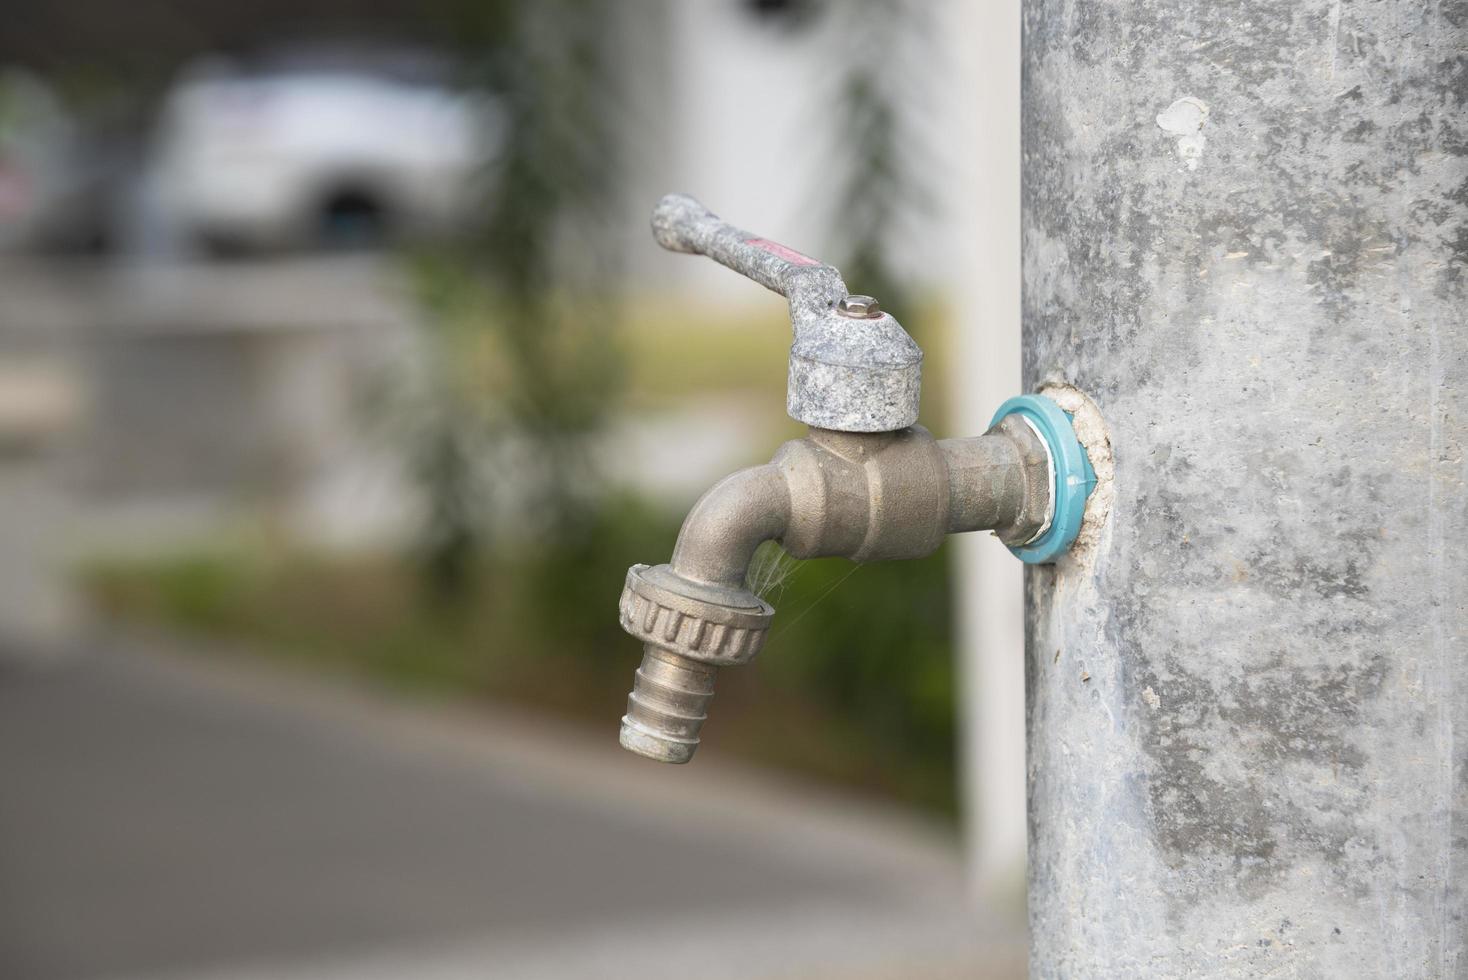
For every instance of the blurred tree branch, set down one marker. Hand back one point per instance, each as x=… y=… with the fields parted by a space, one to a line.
x=879 y=164
x=536 y=281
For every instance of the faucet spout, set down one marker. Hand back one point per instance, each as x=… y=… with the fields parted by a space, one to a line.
x=733 y=518
x=695 y=613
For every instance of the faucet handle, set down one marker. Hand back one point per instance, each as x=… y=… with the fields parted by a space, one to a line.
x=681 y=224
x=852 y=367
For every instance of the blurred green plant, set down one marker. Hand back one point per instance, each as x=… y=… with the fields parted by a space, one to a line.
x=855 y=685
x=527 y=359
x=879 y=167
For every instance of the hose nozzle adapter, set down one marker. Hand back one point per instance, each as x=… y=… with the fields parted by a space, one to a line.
x=688 y=630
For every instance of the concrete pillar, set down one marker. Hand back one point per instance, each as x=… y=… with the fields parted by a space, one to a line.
x=1244 y=237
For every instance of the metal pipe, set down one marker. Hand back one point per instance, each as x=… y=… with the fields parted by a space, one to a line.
x=1000 y=481
x=985 y=479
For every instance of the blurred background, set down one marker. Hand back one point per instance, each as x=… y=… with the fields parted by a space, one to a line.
x=341 y=381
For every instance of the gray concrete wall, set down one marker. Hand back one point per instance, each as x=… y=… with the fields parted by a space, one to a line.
x=1244 y=235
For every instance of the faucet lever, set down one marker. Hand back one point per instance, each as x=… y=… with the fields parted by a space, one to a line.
x=681 y=224
x=852 y=366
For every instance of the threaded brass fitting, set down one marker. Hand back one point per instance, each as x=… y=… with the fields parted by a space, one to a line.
x=688 y=629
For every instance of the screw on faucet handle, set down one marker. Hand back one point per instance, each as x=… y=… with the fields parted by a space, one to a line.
x=681 y=224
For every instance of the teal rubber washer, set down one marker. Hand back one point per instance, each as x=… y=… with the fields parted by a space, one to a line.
x=1072 y=478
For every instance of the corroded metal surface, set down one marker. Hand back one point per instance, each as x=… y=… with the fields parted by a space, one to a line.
x=1244 y=233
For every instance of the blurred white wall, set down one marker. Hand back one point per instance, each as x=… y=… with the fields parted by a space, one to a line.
x=737 y=109
x=985 y=276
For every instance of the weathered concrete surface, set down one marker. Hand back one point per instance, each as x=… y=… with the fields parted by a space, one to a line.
x=1244 y=237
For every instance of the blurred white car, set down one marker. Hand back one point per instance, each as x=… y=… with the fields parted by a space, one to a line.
x=320 y=154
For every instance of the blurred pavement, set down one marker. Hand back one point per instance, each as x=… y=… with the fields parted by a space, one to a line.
x=168 y=815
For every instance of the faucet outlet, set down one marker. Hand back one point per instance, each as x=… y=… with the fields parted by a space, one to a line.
x=688 y=630
x=865 y=483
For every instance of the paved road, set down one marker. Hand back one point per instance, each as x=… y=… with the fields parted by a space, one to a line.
x=168 y=816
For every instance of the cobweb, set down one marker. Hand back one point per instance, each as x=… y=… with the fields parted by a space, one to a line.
x=769 y=572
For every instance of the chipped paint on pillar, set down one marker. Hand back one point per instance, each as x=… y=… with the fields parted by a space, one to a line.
x=1244 y=237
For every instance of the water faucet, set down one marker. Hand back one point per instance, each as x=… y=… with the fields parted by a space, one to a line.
x=867 y=483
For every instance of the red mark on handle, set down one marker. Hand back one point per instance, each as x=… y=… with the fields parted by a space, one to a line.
x=775 y=248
